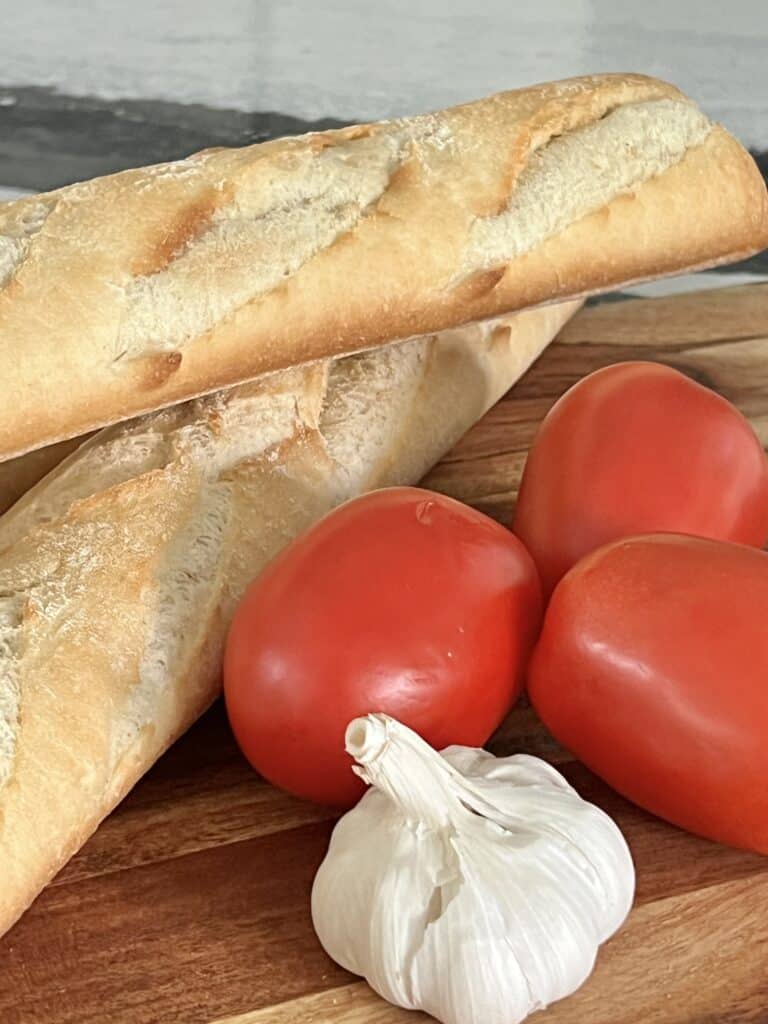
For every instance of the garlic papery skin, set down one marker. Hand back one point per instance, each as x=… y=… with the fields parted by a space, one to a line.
x=475 y=888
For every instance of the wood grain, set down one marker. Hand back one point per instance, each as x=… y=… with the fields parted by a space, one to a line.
x=673 y=321
x=201 y=794
x=191 y=902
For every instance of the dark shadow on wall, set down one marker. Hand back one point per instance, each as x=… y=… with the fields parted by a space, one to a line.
x=49 y=140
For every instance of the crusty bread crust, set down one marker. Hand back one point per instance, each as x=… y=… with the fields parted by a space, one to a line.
x=120 y=570
x=145 y=288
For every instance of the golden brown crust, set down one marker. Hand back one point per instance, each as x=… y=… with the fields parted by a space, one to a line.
x=151 y=286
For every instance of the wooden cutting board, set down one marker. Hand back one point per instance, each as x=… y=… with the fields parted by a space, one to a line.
x=191 y=903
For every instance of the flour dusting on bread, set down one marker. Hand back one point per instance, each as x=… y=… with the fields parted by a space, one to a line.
x=584 y=170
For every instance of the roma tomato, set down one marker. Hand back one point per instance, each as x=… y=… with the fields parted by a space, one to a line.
x=639 y=448
x=402 y=601
x=652 y=668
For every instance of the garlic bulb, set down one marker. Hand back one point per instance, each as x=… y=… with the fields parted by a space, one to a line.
x=472 y=887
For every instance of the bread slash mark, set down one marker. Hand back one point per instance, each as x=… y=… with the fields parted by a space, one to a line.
x=327 y=140
x=477 y=286
x=158 y=369
x=500 y=336
x=259 y=239
x=171 y=239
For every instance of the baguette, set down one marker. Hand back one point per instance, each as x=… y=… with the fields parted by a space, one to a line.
x=149 y=287
x=120 y=570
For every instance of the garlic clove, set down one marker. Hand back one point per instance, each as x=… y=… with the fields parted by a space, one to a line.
x=531 y=788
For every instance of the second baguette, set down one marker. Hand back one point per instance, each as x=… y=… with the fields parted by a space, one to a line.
x=119 y=571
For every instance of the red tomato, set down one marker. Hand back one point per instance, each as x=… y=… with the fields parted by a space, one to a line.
x=652 y=668
x=638 y=448
x=402 y=601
